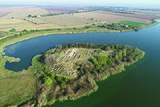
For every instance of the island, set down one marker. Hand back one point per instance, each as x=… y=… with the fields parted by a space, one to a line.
x=70 y=71
x=11 y=59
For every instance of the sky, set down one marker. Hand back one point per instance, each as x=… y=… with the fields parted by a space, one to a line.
x=130 y=3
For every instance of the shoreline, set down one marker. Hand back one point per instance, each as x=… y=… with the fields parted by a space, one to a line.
x=29 y=35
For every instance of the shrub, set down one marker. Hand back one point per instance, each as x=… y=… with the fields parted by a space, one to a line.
x=63 y=85
x=52 y=75
x=47 y=80
x=13 y=30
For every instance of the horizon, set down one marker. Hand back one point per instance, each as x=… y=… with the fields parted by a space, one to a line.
x=123 y=6
x=130 y=3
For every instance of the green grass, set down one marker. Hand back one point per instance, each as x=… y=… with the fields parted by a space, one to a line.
x=16 y=89
x=131 y=23
x=2 y=34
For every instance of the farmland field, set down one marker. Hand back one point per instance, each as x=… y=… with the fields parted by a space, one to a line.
x=22 y=11
x=32 y=17
x=139 y=16
x=2 y=14
x=62 y=9
x=19 y=24
x=110 y=17
x=65 y=20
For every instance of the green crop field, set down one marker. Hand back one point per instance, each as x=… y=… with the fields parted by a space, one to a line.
x=132 y=23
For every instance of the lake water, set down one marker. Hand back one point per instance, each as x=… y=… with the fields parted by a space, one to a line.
x=138 y=86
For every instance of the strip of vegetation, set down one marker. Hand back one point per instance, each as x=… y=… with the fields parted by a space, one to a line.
x=71 y=71
x=131 y=23
x=119 y=27
x=2 y=34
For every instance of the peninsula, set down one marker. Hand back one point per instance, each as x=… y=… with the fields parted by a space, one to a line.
x=70 y=71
